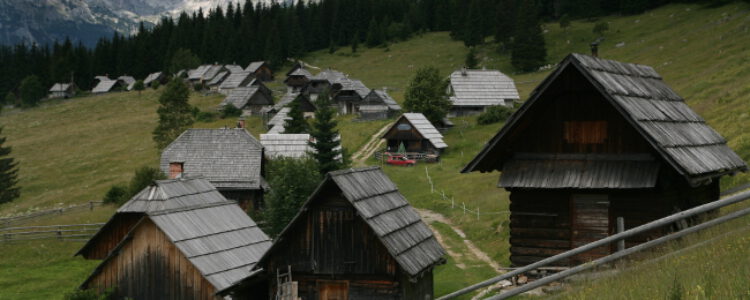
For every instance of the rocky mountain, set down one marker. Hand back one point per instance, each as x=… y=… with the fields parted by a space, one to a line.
x=45 y=21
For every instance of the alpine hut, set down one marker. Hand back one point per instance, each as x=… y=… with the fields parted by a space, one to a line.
x=322 y=82
x=356 y=237
x=297 y=79
x=416 y=134
x=231 y=159
x=213 y=84
x=260 y=70
x=106 y=85
x=155 y=77
x=378 y=105
x=286 y=145
x=127 y=81
x=250 y=99
x=598 y=140
x=348 y=94
x=176 y=239
x=62 y=90
x=235 y=80
x=472 y=91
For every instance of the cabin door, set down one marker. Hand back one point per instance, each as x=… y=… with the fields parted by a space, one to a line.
x=590 y=222
x=333 y=290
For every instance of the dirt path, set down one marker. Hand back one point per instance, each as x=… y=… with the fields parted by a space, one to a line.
x=359 y=157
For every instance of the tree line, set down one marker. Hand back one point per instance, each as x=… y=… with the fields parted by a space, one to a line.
x=241 y=34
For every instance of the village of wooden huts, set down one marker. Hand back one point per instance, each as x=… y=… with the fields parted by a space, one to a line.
x=600 y=140
x=251 y=99
x=176 y=239
x=231 y=159
x=472 y=91
x=356 y=237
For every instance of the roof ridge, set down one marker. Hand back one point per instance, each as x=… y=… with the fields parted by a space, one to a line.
x=352 y=170
x=187 y=208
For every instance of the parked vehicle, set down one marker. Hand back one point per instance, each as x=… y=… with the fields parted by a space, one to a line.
x=400 y=160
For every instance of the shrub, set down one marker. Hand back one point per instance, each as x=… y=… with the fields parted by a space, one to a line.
x=292 y=180
x=198 y=87
x=600 y=28
x=206 y=116
x=142 y=178
x=230 y=111
x=88 y=295
x=494 y=114
x=155 y=85
x=117 y=194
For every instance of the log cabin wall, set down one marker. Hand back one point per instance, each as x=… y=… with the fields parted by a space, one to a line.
x=412 y=139
x=149 y=266
x=111 y=235
x=248 y=200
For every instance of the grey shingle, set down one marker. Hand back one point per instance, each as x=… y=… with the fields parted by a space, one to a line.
x=425 y=128
x=481 y=88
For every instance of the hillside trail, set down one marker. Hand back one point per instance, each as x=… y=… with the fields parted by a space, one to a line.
x=359 y=157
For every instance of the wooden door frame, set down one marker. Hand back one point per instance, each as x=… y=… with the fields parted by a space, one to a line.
x=320 y=282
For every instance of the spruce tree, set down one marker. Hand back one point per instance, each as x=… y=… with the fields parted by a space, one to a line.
x=273 y=51
x=297 y=123
x=8 y=174
x=326 y=138
x=183 y=59
x=293 y=180
x=175 y=113
x=471 y=61
x=31 y=90
x=426 y=94
x=528 y=51
x=355 y=42
x=505 y=23
x=373 y=34
x=474 y=31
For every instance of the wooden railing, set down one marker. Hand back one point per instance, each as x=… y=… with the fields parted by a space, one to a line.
x=75 y=232
x=8 y=221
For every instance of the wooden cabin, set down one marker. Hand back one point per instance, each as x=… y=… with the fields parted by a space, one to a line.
x=347 y=95
x=231 y=159
x=356 y=237
x=286 y=145
x=250 y=99
x=106 y=85
x=297 y=80
x=260 y=70
x=235 y=80
x=473 y=91
x=213 y=84
x=62 y=90
x=155 y=77
x=416 y=133
x=322 y=82
x=176 y=239
x=127 y=81
x=598 y=140
x=378 y=105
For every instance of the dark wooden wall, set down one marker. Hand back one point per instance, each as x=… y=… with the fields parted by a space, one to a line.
x=296 y=81
x=111 y=235
x=149 y=266
x=413 y=141
x=264 y=73
x=248 y=200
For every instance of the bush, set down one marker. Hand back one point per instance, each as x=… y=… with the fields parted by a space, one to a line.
x=155 y=85
x=142 y=178
x=292 y=180
x=230 y=111
x=198 y=87
x=117 y=194
x=600 y=28
x=206 y=116
x=88 y=295
x=494 y=114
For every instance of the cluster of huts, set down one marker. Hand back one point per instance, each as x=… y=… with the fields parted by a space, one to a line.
x=597 y=140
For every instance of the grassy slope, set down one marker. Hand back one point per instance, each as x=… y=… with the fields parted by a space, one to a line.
x=90 y=143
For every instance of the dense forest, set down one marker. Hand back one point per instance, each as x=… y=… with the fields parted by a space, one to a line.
x=241 y=34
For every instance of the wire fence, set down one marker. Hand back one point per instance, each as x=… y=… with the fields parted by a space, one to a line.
x=461 y=205
x=15 y=220
x=74 y=232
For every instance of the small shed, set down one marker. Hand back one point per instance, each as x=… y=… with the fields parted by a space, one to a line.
x=356 y=237
x=251 y=99
x=127 y=81
x=260 y=70
x=378 y=105
x=348 y=95
x=416 y=133
x=472 y=91
x=62 y=90
x=298 y=79
x=598 y=140
x=176 y=239
x=155 y=77
x=235 y=80
x=106 y=85
x=231 y=159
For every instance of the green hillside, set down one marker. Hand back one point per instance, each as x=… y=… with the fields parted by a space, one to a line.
x=72 y=151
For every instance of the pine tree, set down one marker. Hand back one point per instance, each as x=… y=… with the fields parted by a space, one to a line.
x=474 y=34
x=471 y=61
x=293 y=180
x=297 y=123
x=326 y=137
x=373 y=34
x=183 y=59
x=528 y=51
x=139 y=86
x=8 y=174
x=273 y=51
x=31 y=90
x=175 y=114
x=505 y=23
x=355 y=42
x=426 y=94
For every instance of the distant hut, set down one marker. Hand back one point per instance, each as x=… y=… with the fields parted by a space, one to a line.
x=472 y=91
x=322 y=82
x=378 y=105
x=297 y=80
x=297 y=65
x=62 y=90
x=231 y=159
x=260 y=70
x=234 y=68
x=127 y=81
x=155 y=77
x=599 y=140
x=235 y=80
x=348 y=95
x=356 y=237
x=107 y=85
x=196 y=75
x=286 y=145
x=213 y=84
x=416 y=134
x=250 y=99
x=176 y=239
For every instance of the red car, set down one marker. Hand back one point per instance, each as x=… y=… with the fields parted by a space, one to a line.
x=400 y=160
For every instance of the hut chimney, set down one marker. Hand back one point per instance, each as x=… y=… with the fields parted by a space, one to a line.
x=463 y=71
x=595 y=49
x=241 y=123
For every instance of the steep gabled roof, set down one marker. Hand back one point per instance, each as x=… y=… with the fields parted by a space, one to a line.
x=211 y=72
x=234 y=68
x=424 y=127
x=278 y=121
x=151 y=77
x=128 y=80
x=387 y=212
x=239 y=97
x=199 y=72
x=228 y=158
x=387 y=100
x=254 y=66
x=638 y=93
x=105 y=85
x=60 y=87
x=332 y=76
x=482 y=88
x=354 y=85
x=218 y=79
x=301 y=72
x=235 y=80
x=286 y=145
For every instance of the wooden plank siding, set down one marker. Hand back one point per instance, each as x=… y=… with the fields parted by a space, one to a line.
x=111 y=235
x=149 y=266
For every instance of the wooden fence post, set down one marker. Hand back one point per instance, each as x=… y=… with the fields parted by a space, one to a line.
x=91 y=205
x=59 y=232
x=620 y=228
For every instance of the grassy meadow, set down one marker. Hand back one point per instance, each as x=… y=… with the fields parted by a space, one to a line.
x=72 y=151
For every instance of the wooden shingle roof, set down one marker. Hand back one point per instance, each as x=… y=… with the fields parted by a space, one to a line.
x=425 y=128
x=481 y=88
x=387 y=100
x=105 y=85
x=239 y=97
x=235 y=80
x=228 y=158
x=679 y=135
x=354 y=85
x=254 y=66
x=60 y=87
x=286 y=145
x=151 y=77
x=218 y=79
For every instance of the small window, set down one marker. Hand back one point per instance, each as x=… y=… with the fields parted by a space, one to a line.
x=403 y=127
x=585 y=132
x=175 y=169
